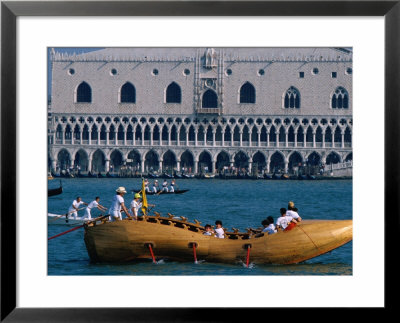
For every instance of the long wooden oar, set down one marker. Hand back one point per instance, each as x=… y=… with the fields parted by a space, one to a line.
x=76 y=228
x=66 y=214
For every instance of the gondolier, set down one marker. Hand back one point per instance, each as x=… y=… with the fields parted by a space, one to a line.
x=73 y=209
x=94 y=204
x=118 y=204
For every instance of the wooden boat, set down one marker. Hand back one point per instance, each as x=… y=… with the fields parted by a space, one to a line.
x=54 y=191
x=90 y=174
x=162 y=192
x=284 y=176
x=175 y=239
x=153 y=175
x=267 y=176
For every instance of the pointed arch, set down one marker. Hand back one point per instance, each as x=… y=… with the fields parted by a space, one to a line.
x=83 y=93
x=205 y=162
x=277 y=162
x=223 y=160
x=209 y=99
x=340 y=99
x=292 y=98
x=128 y=93
x=151 y=161
x=259 y=161
x=98 y=161
x=241 y=160
x=187 y=160
x=169 y=160
x=173 y=93
x=81 y=160
x=247 y=93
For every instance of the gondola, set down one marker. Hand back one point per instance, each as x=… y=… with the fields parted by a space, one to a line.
x=162 y=192
x=267 y=176
x=188 y=175
x=153 y=175
x=311 y=177
x=100 y=175
x=284 y=176
x=90 y=174
x=109 y=175
x=54 y=191
x=302 y=177
x=178 y=175
x=82 y=175
x=166 y=175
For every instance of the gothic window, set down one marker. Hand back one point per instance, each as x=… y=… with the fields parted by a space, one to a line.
x=340 y=99
x=173 y=93
x=247 y=93
x=292 y=98
x=84 y=93
x=128 y=93
x=210 y=99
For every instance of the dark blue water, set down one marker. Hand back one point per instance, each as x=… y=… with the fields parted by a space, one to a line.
x=237 y=203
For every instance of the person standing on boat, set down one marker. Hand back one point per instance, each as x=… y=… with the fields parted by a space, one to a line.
x=155 y=186
x=219 y=231
x=74 y=208
x=117 y=204
x=292 y=211
x=146 y=186
x=93 y=204
x=136 y=205
x=172 y=189
x=165 y=186
x=284 y=220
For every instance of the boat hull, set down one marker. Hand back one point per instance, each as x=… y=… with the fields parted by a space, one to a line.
x=128 y=240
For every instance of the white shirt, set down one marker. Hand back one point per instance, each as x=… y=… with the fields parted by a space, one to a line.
x=136 y=206
x=293 y=214
x=270 y=229
x=219 y=232
x=93 y=204
x=116 y=203
x=283 y=221
x=74 y=205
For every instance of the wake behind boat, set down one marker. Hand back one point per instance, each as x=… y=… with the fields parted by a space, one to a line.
x=62 y=219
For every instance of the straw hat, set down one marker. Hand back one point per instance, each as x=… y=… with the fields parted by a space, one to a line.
x=291 y=204
x=120 y=189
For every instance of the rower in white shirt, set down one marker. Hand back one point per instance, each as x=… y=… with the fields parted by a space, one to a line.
x=94 y=204
x=74 y=208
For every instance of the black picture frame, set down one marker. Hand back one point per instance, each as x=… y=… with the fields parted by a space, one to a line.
x=10 y=10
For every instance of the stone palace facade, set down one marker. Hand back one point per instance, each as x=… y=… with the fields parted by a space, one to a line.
x=200 y=108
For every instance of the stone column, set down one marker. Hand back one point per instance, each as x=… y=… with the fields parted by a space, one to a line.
x=196 y=165
x=54 y=165
x=107 y=166
x=142 y=140
x=323 y=139
x=286 y=138
x=63 y=137
x=241 y=138
x=151 y=137
x=107 y=137
x=232 y=142
x=342 y=139
x=267 y=138
x=142 y=165
x=187 y=138
x=295 y=138
x=178 y=138
x=268 y=164
x=169 y=137
x=160 y=165
x=213 y=133
x=313 y=139
x=89 y=164
x=125 y=130
x=98 y=136
x=178 y=165
x=286 y=165
x=259 y=138
x=277 y=138
x=90 y=138
x=250 y=165
x=196 y=132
